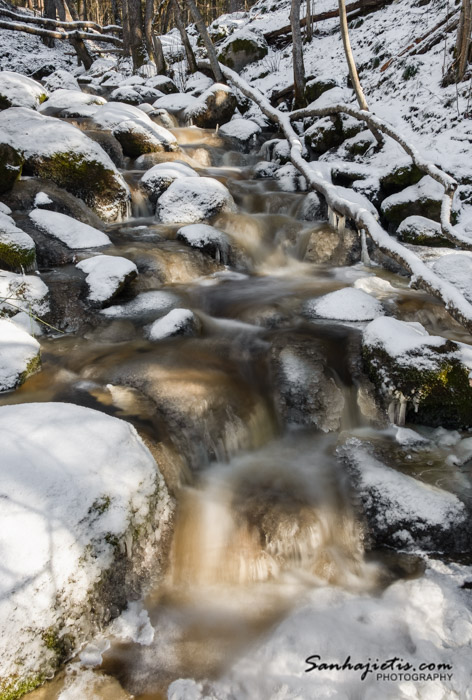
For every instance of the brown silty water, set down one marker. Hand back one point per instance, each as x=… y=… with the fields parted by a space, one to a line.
x=264 y=510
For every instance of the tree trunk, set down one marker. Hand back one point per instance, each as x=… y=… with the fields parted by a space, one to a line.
x=297 y=52
x=49 y=13
x=350 y=58
x=191 y=61
x=198 y=19
x=126 y=29
x=463 y=39
x=136 y=34
x=309 y=23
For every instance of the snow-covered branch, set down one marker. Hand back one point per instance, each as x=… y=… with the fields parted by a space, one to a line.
x=58 y=24
x=422 y=276
x=39 y=31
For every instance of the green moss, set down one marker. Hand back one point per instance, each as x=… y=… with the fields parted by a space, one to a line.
x=60 y=645
x=396 y=213
x=328 y=134
x=410 y=71
x=399 y=178
x=135 y=144
x=12 y=689
x=442 y=391
x=11 y=164
x=415 y=237
x=100 y=506
x=13 y=257
x=4 y=102
x=358 y=148
x=239 y=52
x=315 y=88
x=34 y=365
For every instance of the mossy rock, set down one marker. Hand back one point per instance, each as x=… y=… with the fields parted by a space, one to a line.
x=359 y=147
x=345 y=176
x=435 y=384
x=11 y=164
x=417 y=230
x=239 y=50
x=14 y=256
x=217 y=108
x=316 y=87
x=426 y=207
x=135 y=144
x=87 y=179
x=399 y=178
x=325 y=134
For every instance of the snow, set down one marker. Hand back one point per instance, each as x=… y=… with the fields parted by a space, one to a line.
x=419 y=225
x=154 y=134
x=156 y=301
x=240 y=129
x=190 y=200
x=61 y=79
x=400 y=338
x=376 y=286
x=42 y=200
x=348 y=304
x=72 y=101
x=105 y=275
x=200 y=235
x=72 y=478
x=133 y=625
x=426 y=188
x=176 y=102
x=23 y=293
x=73 y=233
x=160 y=176
x=4 y=209
x=20 y=91
x=420 y=620
x=173 y=323
x=113 y=113
x=27 y=323
x=17 y=350
x=456 y=268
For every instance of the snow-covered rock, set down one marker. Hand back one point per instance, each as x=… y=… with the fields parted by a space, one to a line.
x=421 y=231
x=11 y=164
x=138 y=136
x=191 y=200
x=214 y=107
x=19 y=355
x=90 y=509
x=289 y=179
x=157 y=179
x=243 y=132
x=42 y=199
x=417 y=375
x=162 y=83
x=402 y=511
x=61 y=152
x=456 y=268
x=106 y=276
x=423 y=199
x=152 y=303
x=73 y=233
x=113 y=113
x=135 y=95
x=61 y=80
x=208 y=239
x=176 y=322
x=22 y=293
x=17 y=90
x=175 y=104
x=67 y=102
x=348 y=304
x=241 y=48
x=17 y=248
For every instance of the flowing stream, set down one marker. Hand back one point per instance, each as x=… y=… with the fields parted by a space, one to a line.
x=264 y=508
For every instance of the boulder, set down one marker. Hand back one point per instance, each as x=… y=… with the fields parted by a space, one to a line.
x=190 y=200
x=60 y=152
x=146 y=306
x=17 y=249
x=242 y=132
x=418 y=230
x=175 y=323
x=348 y=304
x=399 y=177
x=401 y=511
x=456 y=268
x=208 y=239
x=317 y=86
x=67 y=102
x=417 y=376
x=91 y=513
x=138 y=136
x=175 y=104
x=74 y=234
x=61 y=80
x=163 y=84
x=19 y=356
x=214 y=107
x=22 y=293
x=423 y=199
x=11 y=164
x=326 y=133
x=157 y=179
x=241 y=48
x=106 y=277
x=17 y=90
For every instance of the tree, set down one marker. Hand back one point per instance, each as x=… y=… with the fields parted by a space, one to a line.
x=191 y=61
x=463 y=39
x=297 y=52
x=153 y=43
x=198 y=19
x=133 y=37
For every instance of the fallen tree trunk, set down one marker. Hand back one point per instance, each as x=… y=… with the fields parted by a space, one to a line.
x=38 y=31
x=422 y=276
x=58 y=24
x=331 y=14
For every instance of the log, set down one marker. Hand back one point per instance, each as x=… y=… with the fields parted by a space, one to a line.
x=331 y=14
x=422 y=276
x=38 y=31
x=57 y=24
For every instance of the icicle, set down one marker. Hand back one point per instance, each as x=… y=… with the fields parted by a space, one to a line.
x=402 y=411
x=364 y=252
x=341 y=224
